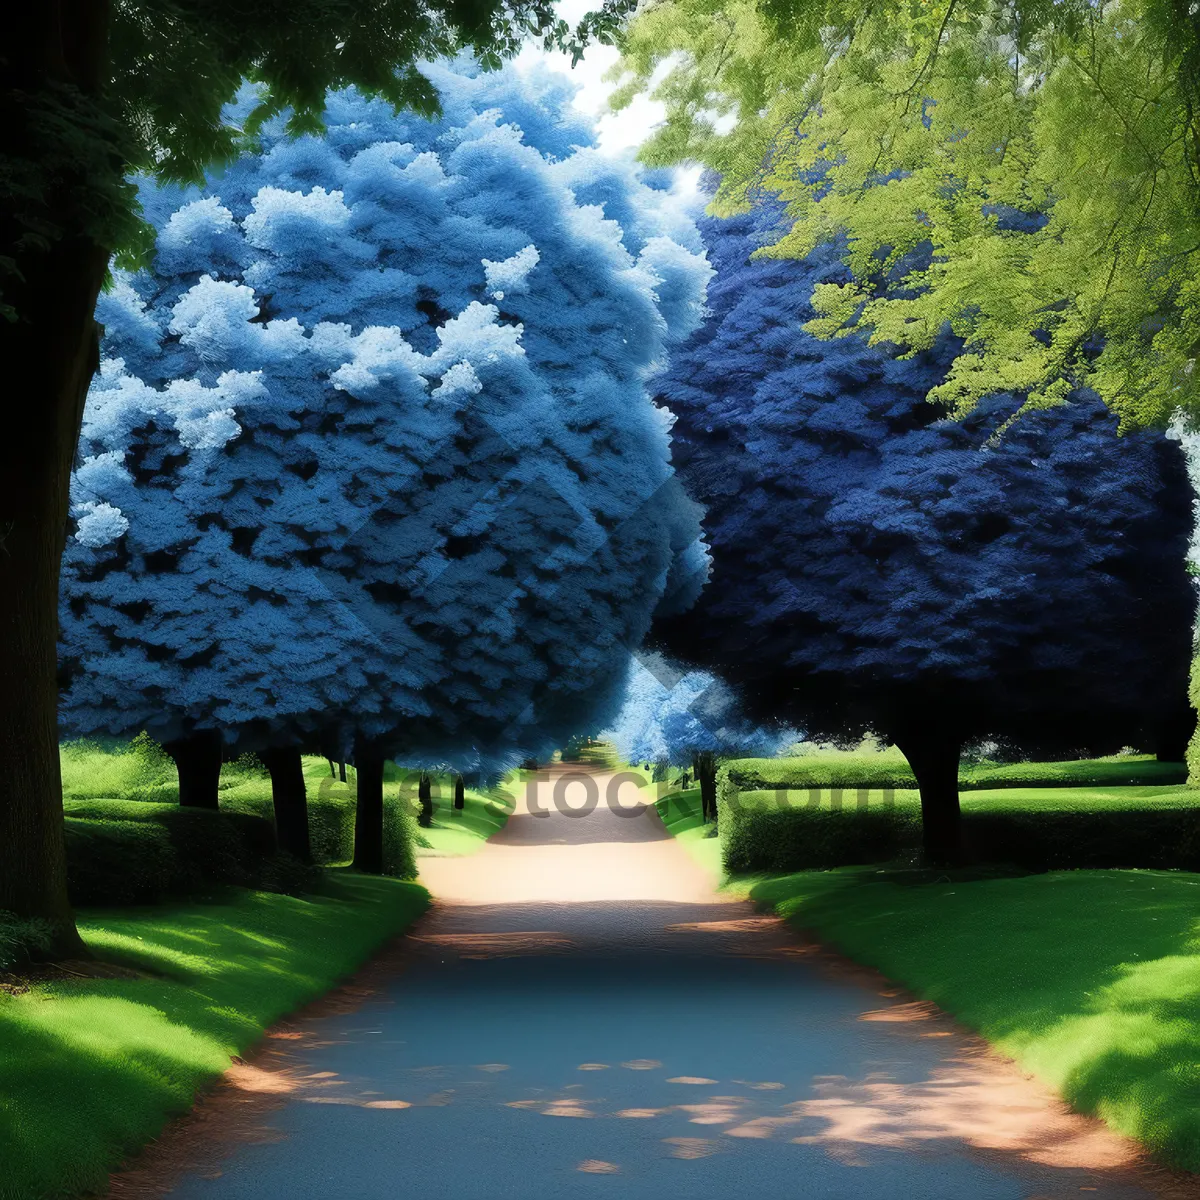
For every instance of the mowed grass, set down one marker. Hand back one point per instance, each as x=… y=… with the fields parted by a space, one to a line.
x=1089 y=979
x=829 y=768
x=999 y=799
x=91 y=1069
x=455 y=832
x=680 y=813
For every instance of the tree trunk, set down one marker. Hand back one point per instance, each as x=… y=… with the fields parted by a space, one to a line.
x=425 y=796
x=49 y=352
x=933 y=756
x=198 y=760
x=368 y=815
x=460 y=792
x=289 y=798
x=342 y=771
x=704 y=764
x=1172 y=733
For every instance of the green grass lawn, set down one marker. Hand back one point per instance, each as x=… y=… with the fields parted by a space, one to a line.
x=464 y=831
x=680 y=813
x=91 y=1069
x=1089 y=979
x=888 y=768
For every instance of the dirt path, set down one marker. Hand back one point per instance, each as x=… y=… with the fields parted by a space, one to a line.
x=582 y=1015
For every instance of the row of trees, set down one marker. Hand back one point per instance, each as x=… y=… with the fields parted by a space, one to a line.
x=989 y=207
x=370 y=467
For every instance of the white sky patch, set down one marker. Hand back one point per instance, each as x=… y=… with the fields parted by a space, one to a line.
x=617 y=134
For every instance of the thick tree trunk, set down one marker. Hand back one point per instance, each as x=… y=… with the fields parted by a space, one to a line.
x=341 y=771
x=198 y=760
x=705 y=766
x=425 y=796
x=289 y=798
x=1173 y=732
x=49 y=352
x=933 y=756
x=368 y=816
x=460 y=792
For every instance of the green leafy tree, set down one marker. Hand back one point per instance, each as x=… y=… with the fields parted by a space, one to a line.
x=1026 y=172
x=92 y=92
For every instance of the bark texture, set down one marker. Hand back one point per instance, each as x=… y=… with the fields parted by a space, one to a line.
x=289 y=799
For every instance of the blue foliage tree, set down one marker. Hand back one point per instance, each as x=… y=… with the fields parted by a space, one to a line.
x=688 y=718
x=877 y=566
x=371 y=458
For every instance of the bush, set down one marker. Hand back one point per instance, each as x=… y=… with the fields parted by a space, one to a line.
x=822 y=768
x=330 y=821
x=399 y=836
x=1038 y=830
x=758 y=835
x=119 y=862
x=135 y=852
x=136 y=770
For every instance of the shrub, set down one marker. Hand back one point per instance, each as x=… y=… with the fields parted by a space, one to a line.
x=330 y=820
x=1153 y=828
x=758 y=835
x=136 y=770
x=399 y=836
x=246 y=768
x=119 y=862
x=135 y=852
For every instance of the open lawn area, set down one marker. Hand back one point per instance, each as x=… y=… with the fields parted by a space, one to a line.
x=92 y=1068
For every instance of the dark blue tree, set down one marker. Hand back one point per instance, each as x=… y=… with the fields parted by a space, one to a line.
x=878 y=566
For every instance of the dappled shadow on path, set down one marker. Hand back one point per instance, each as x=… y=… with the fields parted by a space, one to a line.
x=583 y=1012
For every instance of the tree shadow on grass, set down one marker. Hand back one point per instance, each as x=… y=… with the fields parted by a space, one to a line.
x=92 y=1068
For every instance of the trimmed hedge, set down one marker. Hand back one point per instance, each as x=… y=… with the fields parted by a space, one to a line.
x=119 y=862
x=330 y=823
x=331 y=829
x=137 y=852
x=1037 y=832
x=888 y=768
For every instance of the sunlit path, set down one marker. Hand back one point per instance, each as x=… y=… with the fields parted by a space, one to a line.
x=582 y=1015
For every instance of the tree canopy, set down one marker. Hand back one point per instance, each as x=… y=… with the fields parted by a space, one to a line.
x=371 y=453
x=1027 y=173
x=877 y=566
x=145 y=87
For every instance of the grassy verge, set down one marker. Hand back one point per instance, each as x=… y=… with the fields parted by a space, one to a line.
x=92 y=1068
x=680 y=813
x=455 y=832
x=1089 y=979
